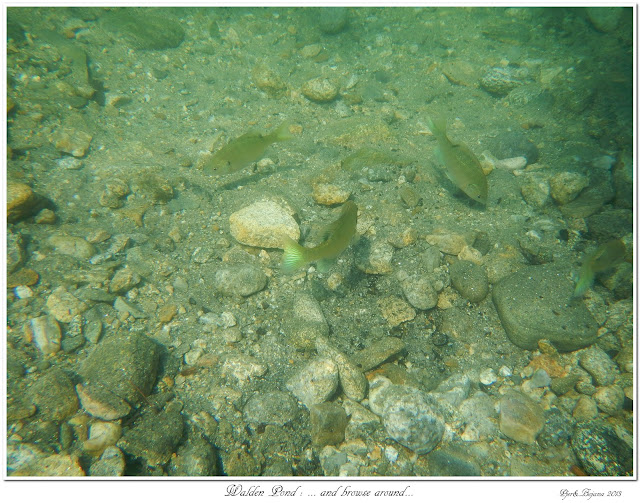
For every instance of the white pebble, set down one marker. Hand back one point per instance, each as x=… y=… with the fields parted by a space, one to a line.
x=23 y=292
x=505 y=371
x=391 y=454
x=488 y=377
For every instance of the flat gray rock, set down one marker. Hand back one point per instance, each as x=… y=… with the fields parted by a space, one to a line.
x=535 y=303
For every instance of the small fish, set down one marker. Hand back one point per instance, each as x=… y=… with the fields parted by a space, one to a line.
x=605 y=257
x=462 y=166
x=339 y=235
x=244 y=150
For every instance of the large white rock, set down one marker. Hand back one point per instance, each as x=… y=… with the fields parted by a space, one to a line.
x=264 y=224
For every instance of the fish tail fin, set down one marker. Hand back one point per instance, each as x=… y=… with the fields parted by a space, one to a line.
x=584 y=282
x=437 y=125
x=283 y=133
x=294 y=256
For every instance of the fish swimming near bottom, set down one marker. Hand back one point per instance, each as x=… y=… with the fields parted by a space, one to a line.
x=339 y=235
x=462 y=166
x=606 y=256
x=242 y=151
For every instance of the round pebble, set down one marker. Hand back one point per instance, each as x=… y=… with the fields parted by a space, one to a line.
x=320 y=90
x=521 y=419
x=273 y=407
x=566 y=186
x=470 y=280
x=239 y=280
x=609 y=399
x=315 y=383
x=419 y=291
x=595 y=361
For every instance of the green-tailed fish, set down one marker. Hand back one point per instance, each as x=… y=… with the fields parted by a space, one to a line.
x=605 y=257
x=462 y=166
x=244 y=150
x=339 y=235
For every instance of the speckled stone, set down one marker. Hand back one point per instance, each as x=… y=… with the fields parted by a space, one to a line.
x=396 y=310
x=320 y=90
x=352 y=380
x=609 y=399
x=521 y=419
x=566 y=186
x=419 y=291
x=64 y=305
x=54 y=395
x=315 y=383
x=45 y=333
x=600 y=451
x=411 y=417
x=585 y=409
x=239 y=280
x=273 y=407
x=595 y=361
x=71 y=245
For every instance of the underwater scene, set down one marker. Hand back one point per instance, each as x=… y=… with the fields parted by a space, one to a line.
x=351 y=242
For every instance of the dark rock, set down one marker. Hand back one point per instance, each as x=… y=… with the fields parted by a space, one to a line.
x=610 y=224
x=443 y=463
x=110 y=464
x=120 y=371
x=54 y=395
x=535 y=303
x=557 y=430
x=514 y=144
x=195 y=458
x=155 y=438
x=328 y=422
x=239 y=463
x=600 y=451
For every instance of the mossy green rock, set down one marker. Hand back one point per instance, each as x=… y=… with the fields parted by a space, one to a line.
x=535 y=303
x=147 y=29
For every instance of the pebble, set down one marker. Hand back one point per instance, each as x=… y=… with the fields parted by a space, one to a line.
x=595 y=361
x=70 y=163
x=514 y=144
x=362 y=422
x=329 y=194
x=418 y=291
x=470 y=280
x=124 y=280
x=600 y=451
x=320 y=90
x=101 y=435
x=239 y=280
x=122 y=306
x=71 y=245
x=110 y=464
x=23 y=292
x=21 y=201
x=352 y=380
x=22 y=277
x=315 y=383
x=585 y=409
x=195 y=458
x=54 y=395
x=45 y=217
x=328 y=423
x=566 y=186
x=332 y=460
x=267 y=80
x=453 y=391
x=409 y=196
x=609 y=399
x=532 y=305
x=396 y=310
x=447 y=242
x=521 y=419
x=460 y=72
x=117 y=373
x=479 y=414
x=72 y=141
x=155 y=437
x=114 y=193
x=55 y=465
x=488 y=377
x=167 y=312
x=376 y=258
x=536 y=191
x=264 y=224
x=512 y=163
x=305 y=322
x=500 y=81
x=452 y=464
x=244 y=368
x=557 y=430
x=45 y=333
x=272 y=407
x=378 y=352
x=410 y=416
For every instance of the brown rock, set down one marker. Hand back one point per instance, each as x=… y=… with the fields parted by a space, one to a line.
x=21 y=201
